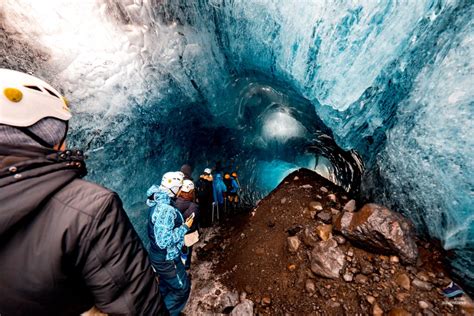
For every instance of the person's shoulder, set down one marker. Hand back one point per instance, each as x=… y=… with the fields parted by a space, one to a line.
x=194 y=206
x=85 y=196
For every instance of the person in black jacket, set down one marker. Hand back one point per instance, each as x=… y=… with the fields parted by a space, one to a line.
x=66 y=244
x=205 y=197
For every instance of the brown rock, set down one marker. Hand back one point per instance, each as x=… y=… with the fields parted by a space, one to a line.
x=325 y=217
x=376 y=310
x=293 y=243
x=350 y=206
x=403 y=281
x=423 y=276
x=348 y=277
x=380 y=229
x=340 y=240
x=401 y=296
x=327 y=259
x=360 y=278
x=315 y=206
x=332 y=197
x=422 y=285
x=309 y=237
x=266 y=301
x=310 y=286
x=370 y=299
x=324 y=231
x=398 y=311
x=424 y=305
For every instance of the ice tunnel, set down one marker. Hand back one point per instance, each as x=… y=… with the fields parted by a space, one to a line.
x=376 y=96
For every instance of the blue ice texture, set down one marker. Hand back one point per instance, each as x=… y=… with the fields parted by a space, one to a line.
x=266 y=87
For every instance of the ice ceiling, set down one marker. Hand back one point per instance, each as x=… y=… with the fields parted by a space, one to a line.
x=265 y=87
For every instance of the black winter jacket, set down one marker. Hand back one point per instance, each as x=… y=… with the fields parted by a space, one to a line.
x=67 y=244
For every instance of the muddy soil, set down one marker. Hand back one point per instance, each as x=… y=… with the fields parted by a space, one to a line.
x=249 y=255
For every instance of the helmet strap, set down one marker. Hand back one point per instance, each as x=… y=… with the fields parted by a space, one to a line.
x=64 y=136
x=35 y=137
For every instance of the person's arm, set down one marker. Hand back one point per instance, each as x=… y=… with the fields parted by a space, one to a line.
x=235 y=185
x=115 y=267
x=193 y=208
x=165 y=233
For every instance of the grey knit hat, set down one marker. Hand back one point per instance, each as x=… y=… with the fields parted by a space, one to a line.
x=51 y=130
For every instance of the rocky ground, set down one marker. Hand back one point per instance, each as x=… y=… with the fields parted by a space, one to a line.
x=304 y=251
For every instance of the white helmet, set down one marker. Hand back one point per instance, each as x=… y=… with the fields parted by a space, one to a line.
x=25 y=100
x=207 y=171
x=188 y=186
x=172 y=182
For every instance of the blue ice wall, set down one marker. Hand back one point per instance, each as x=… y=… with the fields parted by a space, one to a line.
x=154 y=84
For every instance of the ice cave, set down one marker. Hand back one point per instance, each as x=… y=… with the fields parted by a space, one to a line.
x=376 y=96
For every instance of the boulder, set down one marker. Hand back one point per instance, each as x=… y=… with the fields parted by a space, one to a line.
x=327 y=260
x=243 y=309
x=380 y=229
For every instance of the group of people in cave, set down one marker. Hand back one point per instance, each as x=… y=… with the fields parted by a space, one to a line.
x=67 y=245
x=177 y=208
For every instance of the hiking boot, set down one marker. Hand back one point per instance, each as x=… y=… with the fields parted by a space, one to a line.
x=453 y=290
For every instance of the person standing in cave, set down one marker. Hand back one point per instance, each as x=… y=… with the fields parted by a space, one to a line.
x=185 y=204
x=219 y=190
x=66 y=243
x=204 y=195
x=232 y=186
x=187 y=171
x=166 y=230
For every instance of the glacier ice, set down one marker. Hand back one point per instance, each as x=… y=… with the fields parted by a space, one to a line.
x=266 y=87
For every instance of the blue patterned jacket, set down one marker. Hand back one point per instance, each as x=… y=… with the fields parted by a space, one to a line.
x=168 y=223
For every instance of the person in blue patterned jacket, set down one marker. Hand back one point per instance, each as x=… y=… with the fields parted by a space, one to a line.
x=166 y=230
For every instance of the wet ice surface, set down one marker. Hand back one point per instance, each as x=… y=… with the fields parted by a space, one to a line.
x=390 y=80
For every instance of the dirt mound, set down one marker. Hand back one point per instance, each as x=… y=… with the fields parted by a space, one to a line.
x=255 y=256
